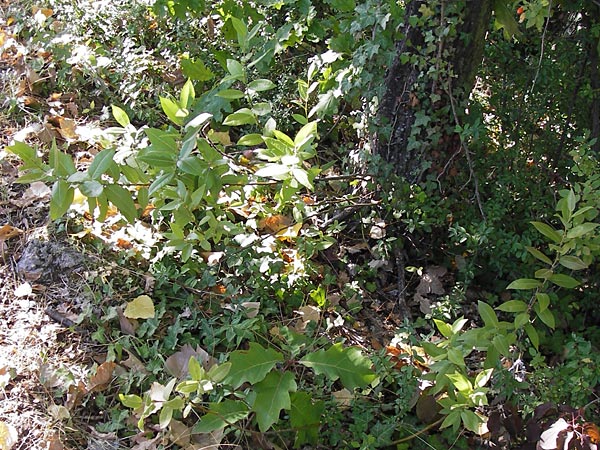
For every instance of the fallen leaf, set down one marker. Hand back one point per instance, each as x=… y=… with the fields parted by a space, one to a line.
x=59 y=412
x=127 y=326
x=177 y=363
x=275 y=223
x=8 y=232
x=140 y=307
x=179 y=433
x=252 y=308
x=343 y=397
x=75 y=395
x=103 y=377
x=8 y=436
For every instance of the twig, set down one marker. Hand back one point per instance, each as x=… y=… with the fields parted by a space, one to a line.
x=537 y=72
x=472 y=174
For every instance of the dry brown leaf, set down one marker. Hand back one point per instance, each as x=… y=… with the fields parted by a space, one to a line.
x=75 y=395
x=275 y=223
x=103 y=377
x=177 y=363
x=179 y=433
x=8 y=232
x=67 y=128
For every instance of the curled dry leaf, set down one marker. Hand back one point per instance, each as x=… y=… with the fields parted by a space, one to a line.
x=103 y=377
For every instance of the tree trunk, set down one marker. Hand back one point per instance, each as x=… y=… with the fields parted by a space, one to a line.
x=414 y=94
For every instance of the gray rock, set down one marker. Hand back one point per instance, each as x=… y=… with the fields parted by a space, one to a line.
x=45 y=261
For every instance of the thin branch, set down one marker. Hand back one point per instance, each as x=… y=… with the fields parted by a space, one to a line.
x=472 y=174
x=537 y=72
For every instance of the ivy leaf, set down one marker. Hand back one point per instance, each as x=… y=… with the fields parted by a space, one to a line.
x=251 y=365
x=272 y=395
x=220 y=415
x=347 y=364
x=305 y=416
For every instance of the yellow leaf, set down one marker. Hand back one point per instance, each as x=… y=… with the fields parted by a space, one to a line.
x=8 y=436
x=140 y=307
x=289 y=232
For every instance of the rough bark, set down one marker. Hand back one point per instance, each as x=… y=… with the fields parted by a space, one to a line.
x=400 y=104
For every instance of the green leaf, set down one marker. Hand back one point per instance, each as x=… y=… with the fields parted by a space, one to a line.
x=533 y=335
x=305 y=417
x=196 y=70
x=302 y=177
x=60 y=162
x=241 y=117
x=483 y=377
x=521 y=319
x=272 y=395
x=187 y=95
x=250 y=140
x=220 y=415
x=539 y=255
x=452 y=419
x=455 y=356
x=121 y=198
x=261 y=85
x=543 y=300
x=572 y=262
x=580 y=230
x=563 y=280
x=218 y=372
x=61 y=200
x=347 y=364
x=195 y=370
x=505 y=19
x=131 y=401
x=302 y=120
x=27 y=154
x=173 y=111
x=235 y=69
x=460 y=382
x=251 y=365
x=275 y=171
x=231 y=94
x=524 y=283
x=501 y=344
x=547 y=317
x=488 y=314
x=120 y=116
x=91 y=188
x=443 y=327
x=101 y=163
x=513 y=306
x=548 y=231
x=165 y=416
x=163 y=140
x=471 y=421
x=262 y=108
